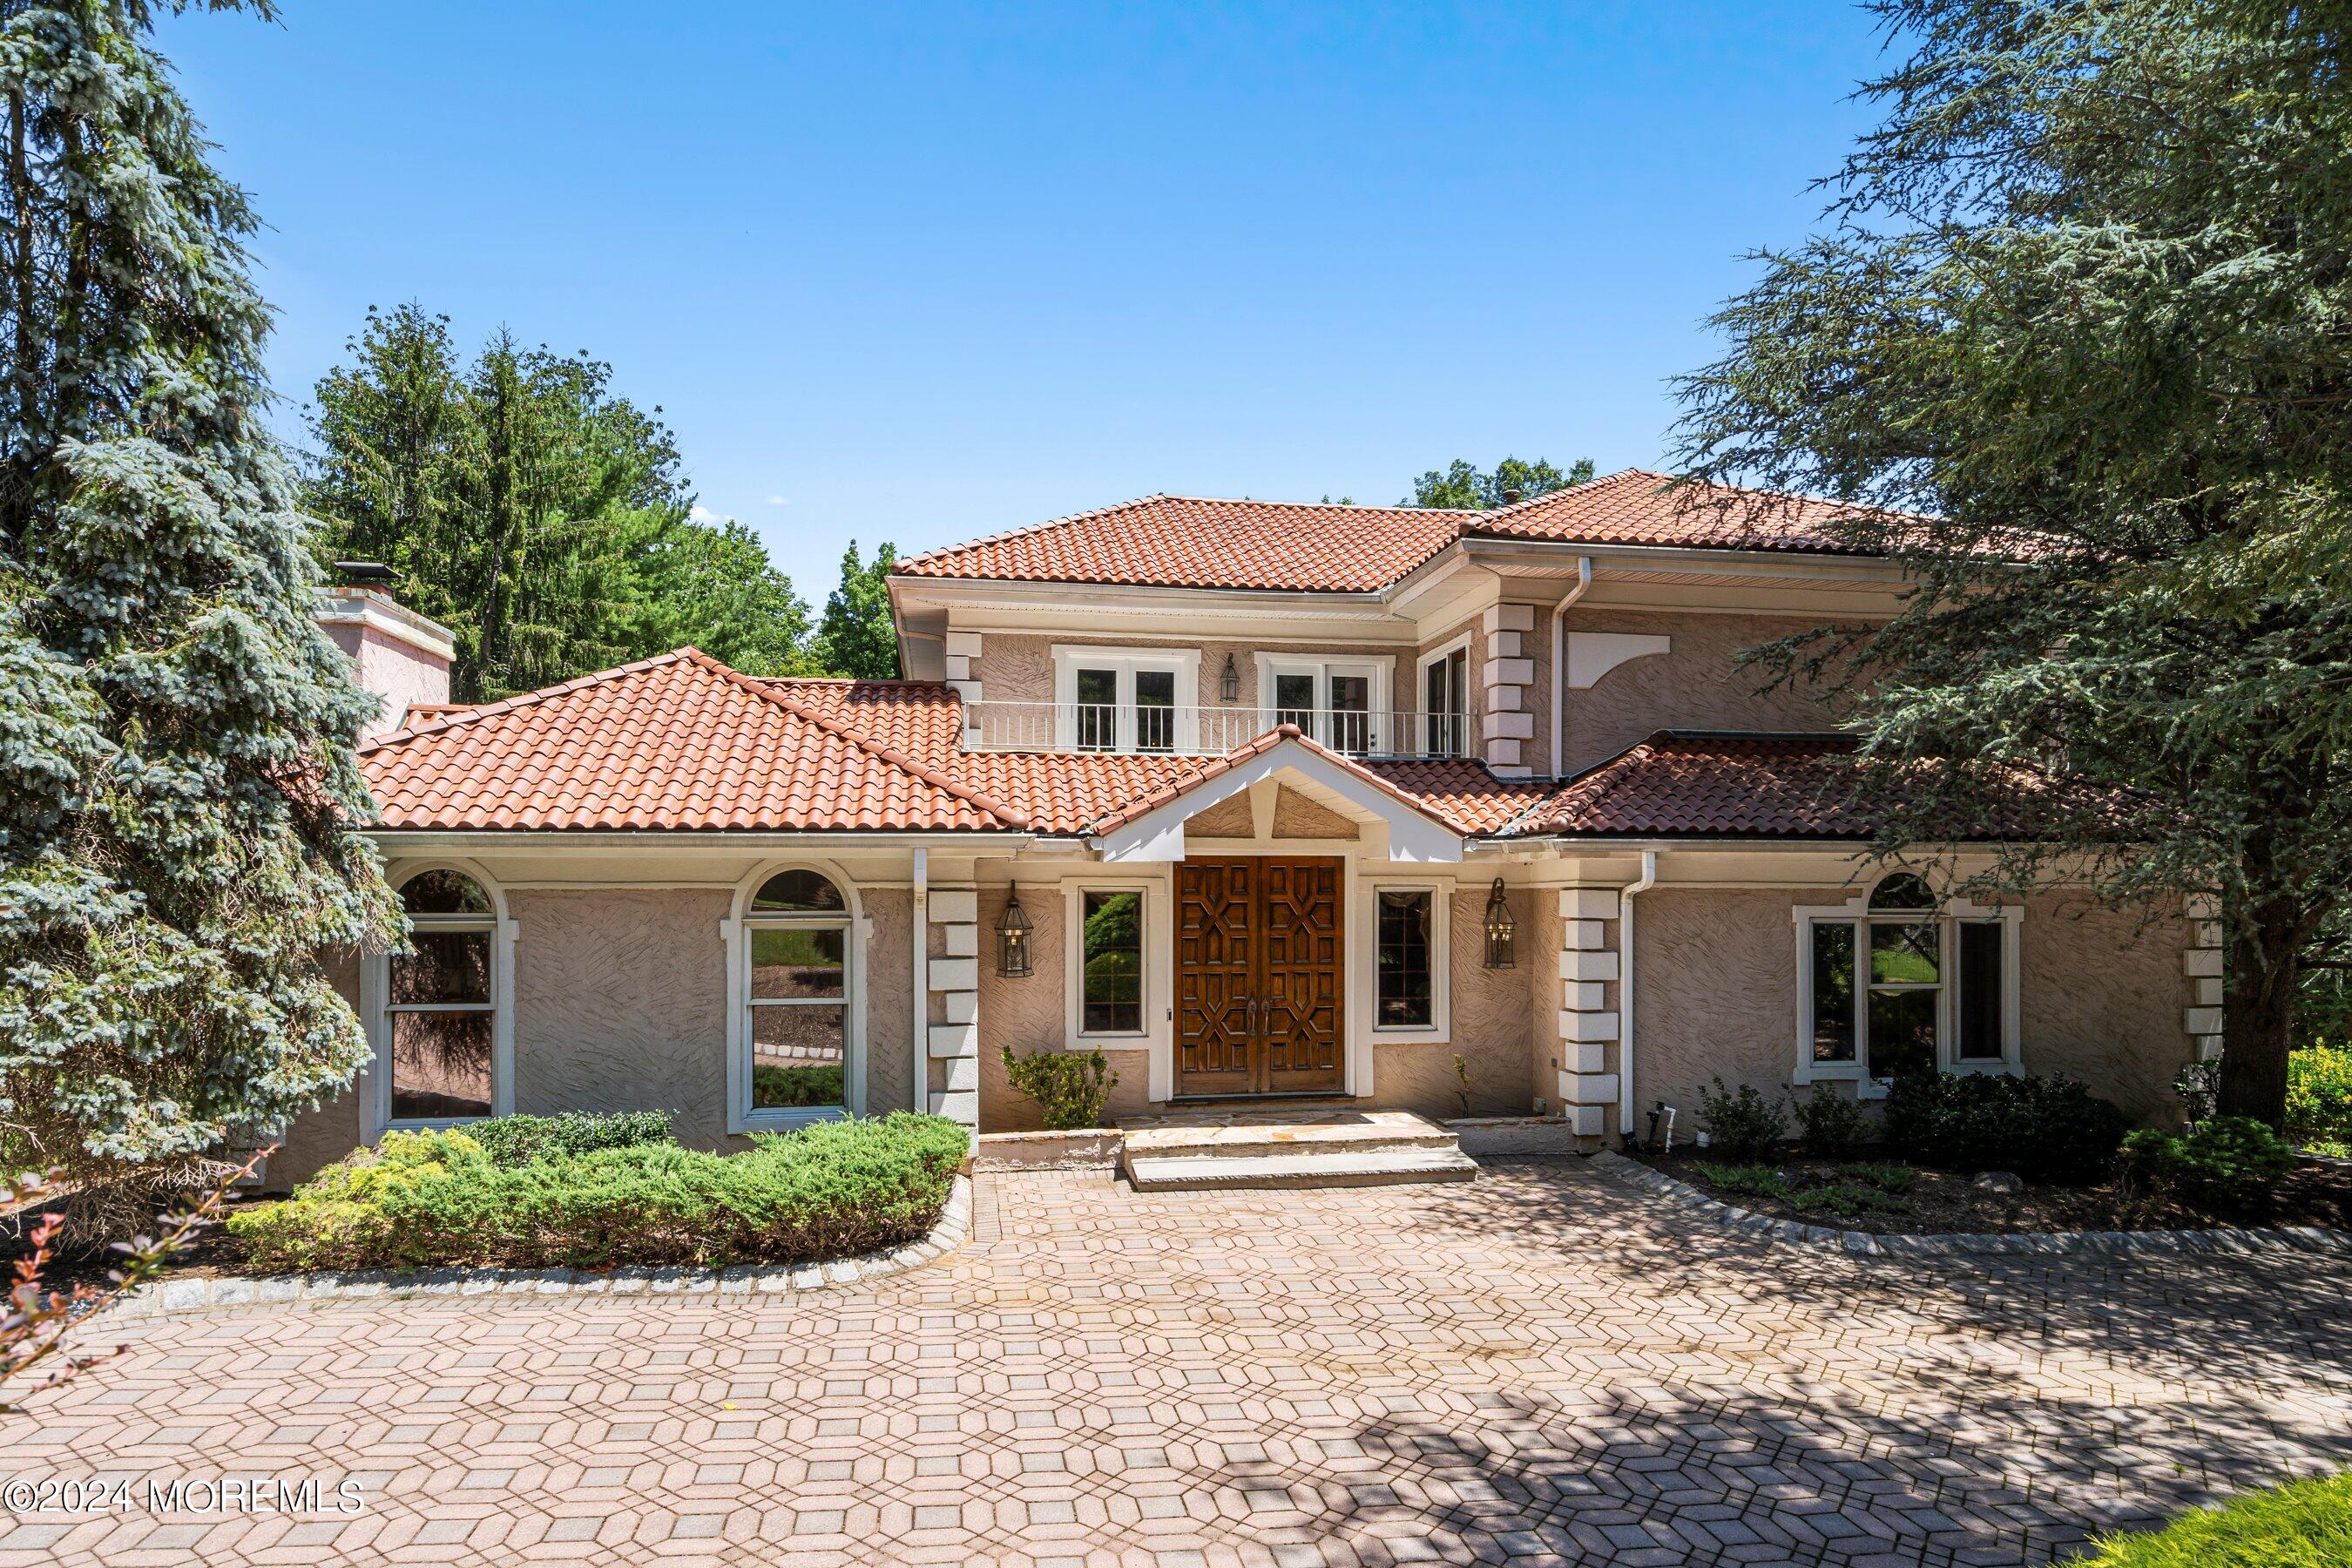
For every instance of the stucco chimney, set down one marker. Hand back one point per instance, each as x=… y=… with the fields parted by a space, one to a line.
x=396 y=653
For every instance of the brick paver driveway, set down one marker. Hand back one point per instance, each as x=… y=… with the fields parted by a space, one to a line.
x=1540 y=1364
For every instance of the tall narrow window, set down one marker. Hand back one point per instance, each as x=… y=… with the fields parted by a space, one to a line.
x=1351 y=712
x=797 y=994
x=1112 y=963
x=1407 y=998
x=1982 y=1028
x=1294 y=701
x=1155 y=710
x=1833 y=971
x=441 y=1011
x=1097 y=711
x=1906 y=990
x=1445 y=705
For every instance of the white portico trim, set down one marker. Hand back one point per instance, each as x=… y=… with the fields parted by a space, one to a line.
x=1411 y=833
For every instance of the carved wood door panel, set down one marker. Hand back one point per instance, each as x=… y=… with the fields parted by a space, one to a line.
x=1258 y=976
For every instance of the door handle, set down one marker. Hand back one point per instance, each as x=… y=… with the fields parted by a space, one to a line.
x=1253 y=1017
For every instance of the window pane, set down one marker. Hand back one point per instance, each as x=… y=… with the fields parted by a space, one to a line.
x=796 y=1057
x=1981 y=1021
x=1405 y=969
x=1904 y=955
x=1294 y=701
x=798 y=892
x=1155 y=710
x=1903 y=891
x=1902 y=1033
x=796 y=963
x=1833 y=993
x=447 y=966
x=1114 y=963
x=440 y=1065
x=1098 y=710
x=1351 y=700
x=444 y=893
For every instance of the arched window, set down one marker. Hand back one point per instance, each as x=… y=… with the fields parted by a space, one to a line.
x=797 y=995
x=1898 y=982
x=441 y=1002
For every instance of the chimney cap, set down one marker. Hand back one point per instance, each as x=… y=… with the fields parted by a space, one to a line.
x=357 y=572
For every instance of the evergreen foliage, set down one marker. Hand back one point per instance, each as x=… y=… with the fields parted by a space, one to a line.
x=1462 y=487
x=538 y=515
x=177 y=790
x=2081 y=318
x=857 y=637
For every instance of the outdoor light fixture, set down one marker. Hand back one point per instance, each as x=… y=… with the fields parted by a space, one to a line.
x=1229 y=684
x=1013 y=937
x=1502 y=931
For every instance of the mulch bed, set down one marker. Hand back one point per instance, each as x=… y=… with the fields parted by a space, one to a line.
x=214 y=1252
x=1945 y=1203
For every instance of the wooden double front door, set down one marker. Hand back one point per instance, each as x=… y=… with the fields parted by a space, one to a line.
x=1259 y=998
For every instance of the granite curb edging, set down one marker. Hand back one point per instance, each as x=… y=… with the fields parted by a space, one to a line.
x=1870 y=1244
x=174 y=1298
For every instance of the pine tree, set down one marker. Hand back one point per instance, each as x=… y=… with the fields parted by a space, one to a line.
x=857 y=637
x=178 y=795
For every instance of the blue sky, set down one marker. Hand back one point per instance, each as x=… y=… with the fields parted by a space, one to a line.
x=921 y=273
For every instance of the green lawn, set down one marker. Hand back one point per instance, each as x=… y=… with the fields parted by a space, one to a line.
x=2306 y=1525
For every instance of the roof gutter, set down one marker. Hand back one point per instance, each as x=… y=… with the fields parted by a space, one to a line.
x=1560 y=660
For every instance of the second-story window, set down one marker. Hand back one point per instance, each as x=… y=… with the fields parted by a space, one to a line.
x=1337 y=702
x=1124 y=700
x=1445 y=703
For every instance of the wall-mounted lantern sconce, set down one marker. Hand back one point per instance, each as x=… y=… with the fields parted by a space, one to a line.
x=1502 y=931
x=1229 y=684
x=1012 y=938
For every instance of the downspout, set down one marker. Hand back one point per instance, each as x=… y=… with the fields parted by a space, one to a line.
x=922 y=944
x=1560 y=660
x=1642 y=884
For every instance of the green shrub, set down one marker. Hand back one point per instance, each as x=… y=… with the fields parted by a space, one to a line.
x=2234 y=1160
x=1749 y=1181
x=2319 y=1095
x=2307 y=1524
x=808 y=1084
x=422 y=1199
x=519 y=1139
x=1069 y=1087
x=1829 y=1123
x=2048 y=1127
x=1849 y=1197
x=1885 y=1178
x=1742 y=1124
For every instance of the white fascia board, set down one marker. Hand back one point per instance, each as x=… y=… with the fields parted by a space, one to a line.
x=1413 y=835
x=682 y=841
x=986 y=604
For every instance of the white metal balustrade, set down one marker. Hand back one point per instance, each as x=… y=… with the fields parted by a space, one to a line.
x=1207 y=731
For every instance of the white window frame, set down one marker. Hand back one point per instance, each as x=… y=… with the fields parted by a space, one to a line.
x=1184 y=664
x=1440 y=957
x=1947 y=917
x=1379 y=717
x=735 y=932
x=1424 y=714
x=1152 y=936
x=376 y=1006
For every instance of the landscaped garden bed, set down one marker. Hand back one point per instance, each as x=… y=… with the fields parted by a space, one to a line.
x=1995 y=1155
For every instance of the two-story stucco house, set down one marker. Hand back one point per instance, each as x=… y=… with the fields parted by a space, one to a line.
x=1261 y=800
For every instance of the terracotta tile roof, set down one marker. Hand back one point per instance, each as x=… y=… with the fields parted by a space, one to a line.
x=1193 y=542
x=678 y=741
x=1202 y=769
x=1682 y=784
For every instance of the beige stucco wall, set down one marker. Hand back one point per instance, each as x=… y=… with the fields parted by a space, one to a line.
x=620 y=1004
x=395 y=672
x=1492 y=1027
x=1696 y=686
x=1028 y=1014
x=1716 y=992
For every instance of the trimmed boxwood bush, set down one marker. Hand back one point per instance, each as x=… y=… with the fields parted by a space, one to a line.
x=424 y=1199
x=2052 y=1128
x=519 y=1139
x=2233 y=1159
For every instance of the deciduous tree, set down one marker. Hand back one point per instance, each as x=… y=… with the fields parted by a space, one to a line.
x=1462 y=488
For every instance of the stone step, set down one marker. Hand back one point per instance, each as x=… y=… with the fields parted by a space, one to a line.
x=1341 y=1167
x=1241 y=1135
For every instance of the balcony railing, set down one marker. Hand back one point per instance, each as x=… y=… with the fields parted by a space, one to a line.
x=1207 y=731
